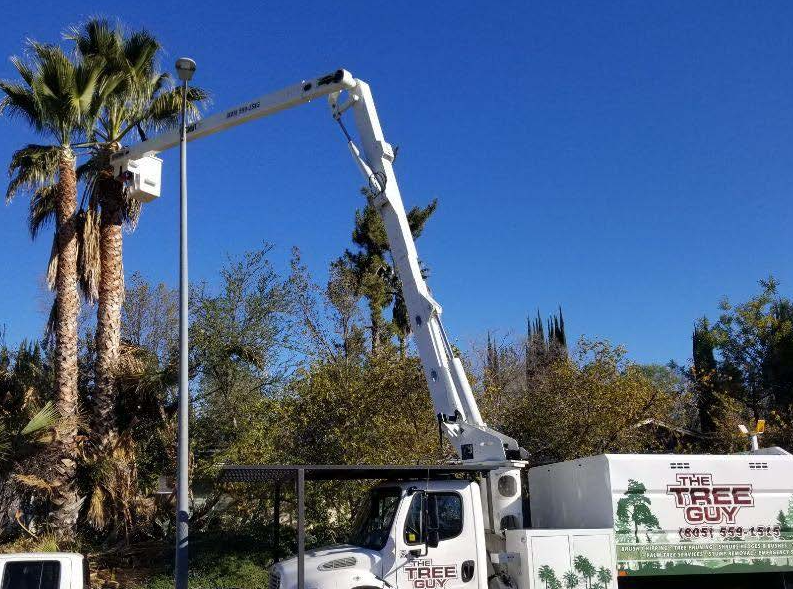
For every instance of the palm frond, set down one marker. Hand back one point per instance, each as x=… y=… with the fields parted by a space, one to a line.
x=88 y=173
x=87 y=77
x=163 y=111
x=32 y=167
x=134 y=360
x=5 y=443
x=96 y=509
x=64 y=90
x=89 y=254
x=159 y=81
x=46 y=543
x=113 y=494
x=130 y=212
x=52 y=273
x=23 y=69
x=42 y=209
x=110 y=84
x=53 y=81
x=20 y=102
x=97 y=36
x=140 y=49
x=36 y=483
x=45 y=418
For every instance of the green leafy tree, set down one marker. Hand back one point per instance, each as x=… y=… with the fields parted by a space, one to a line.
x=634 y=510
x=59 y=98
x=241 y=334
x=743 y=369
x=594 y=394
x=755 y=342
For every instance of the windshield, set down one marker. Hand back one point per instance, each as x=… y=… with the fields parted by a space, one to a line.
x=373 y=522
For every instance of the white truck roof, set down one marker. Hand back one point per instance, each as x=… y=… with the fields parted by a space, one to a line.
x=40 y=556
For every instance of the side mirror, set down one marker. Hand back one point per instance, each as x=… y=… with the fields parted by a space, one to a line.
x=431 y=534
x=433 y=538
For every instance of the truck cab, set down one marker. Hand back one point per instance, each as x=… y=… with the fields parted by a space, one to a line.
x=43 y=570
x=417 y=534
x=436 y=534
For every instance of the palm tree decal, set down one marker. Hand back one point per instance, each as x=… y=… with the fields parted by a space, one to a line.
x=604 y=577
x=570 y=580
x=547 y=576
x=633 y=512
x=586 y=569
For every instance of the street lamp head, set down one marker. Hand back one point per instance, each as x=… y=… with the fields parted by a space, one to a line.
x=185 y=68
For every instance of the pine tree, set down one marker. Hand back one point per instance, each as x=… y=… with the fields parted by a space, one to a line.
x=704 y=375
x=374 y=273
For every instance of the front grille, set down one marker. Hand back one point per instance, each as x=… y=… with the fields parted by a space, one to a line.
x=275 y=580
x=339 y=563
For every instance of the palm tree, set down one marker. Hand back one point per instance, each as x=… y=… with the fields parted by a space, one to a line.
x=585 y=568
x=604 y=577
x=570 y=580
x=144 y=101
x=30 y=428
x=58 y=98
x=547 y=575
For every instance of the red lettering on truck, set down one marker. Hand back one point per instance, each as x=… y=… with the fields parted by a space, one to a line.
x=703 y=502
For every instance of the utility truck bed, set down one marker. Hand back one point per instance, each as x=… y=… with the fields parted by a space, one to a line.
x=574 y=558
x=676 y=514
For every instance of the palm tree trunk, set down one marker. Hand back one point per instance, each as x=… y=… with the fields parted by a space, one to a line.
x=111 y=298
x=68 y=308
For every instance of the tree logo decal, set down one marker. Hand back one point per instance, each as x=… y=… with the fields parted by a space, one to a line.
x=634 y=513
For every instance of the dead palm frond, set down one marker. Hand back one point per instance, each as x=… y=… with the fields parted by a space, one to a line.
x=88 y=254
x=133 y=360
x=5 y=443
x=35 y=483
x=114 y=499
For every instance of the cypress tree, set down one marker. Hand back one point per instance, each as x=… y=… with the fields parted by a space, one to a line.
x=704 y=374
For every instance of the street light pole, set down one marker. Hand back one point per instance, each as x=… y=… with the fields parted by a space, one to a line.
x=185 y=68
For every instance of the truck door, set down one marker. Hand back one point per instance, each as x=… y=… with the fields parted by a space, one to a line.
x=452 y=563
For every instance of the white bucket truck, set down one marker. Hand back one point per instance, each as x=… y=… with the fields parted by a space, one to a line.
x=463 y=525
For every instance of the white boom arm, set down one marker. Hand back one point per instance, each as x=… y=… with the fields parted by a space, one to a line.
x=454 y=402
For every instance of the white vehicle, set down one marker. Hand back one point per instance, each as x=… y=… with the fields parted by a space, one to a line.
x=464 y=525
x=43 y=570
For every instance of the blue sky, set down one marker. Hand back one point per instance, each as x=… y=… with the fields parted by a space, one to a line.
x=630 y=161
